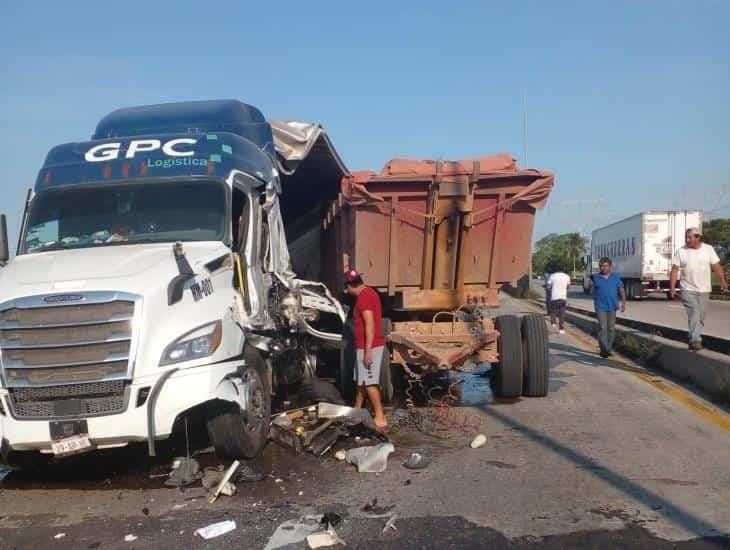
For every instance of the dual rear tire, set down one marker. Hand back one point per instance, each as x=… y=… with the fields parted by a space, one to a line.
x=524 y=367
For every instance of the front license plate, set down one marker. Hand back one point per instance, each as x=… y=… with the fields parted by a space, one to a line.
x=71 y=445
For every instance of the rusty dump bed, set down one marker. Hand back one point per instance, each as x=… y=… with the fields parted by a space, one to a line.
x=435 y=235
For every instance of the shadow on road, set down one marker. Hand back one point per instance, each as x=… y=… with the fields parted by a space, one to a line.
x=661 y=505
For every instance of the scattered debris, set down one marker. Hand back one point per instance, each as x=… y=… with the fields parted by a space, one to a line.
x=224 y=486
x=418 y=460
x=301 y=493
x=246 y=474
x=478 y=441
x=390 y=524
x=341 y=455
x=370 y=459
x=324 y=539
x=374 y=510
x=216 y=529
x=407 y=482
x=294 y=531
x=179 y=506
x=282 y=421
x=146 y=511
x=278 y=480
x=331 y=519
x=185 y=471
x=59 y=536
x=130 y=538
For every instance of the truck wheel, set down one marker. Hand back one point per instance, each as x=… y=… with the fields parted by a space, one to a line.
x=386 y=375
x=509 y=346
x=536 y=366
x=242 y=434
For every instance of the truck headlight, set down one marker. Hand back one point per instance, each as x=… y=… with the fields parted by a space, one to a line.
x=198 y=343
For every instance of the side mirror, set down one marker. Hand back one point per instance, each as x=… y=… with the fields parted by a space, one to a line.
x=4 y=251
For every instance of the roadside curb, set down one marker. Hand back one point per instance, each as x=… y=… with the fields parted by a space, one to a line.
x=708 y=370
x=713 y=343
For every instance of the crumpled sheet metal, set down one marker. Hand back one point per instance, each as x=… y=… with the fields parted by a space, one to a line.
x=350 y=415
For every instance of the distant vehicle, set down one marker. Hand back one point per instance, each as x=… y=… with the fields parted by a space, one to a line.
x=641 y=248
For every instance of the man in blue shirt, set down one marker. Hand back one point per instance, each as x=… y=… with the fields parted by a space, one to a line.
x=607 y=288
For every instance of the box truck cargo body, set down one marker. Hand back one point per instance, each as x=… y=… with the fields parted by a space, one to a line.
x=641 y=249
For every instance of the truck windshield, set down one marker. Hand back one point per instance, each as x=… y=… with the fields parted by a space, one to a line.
x=117 y=214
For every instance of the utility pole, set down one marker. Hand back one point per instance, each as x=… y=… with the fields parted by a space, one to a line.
x=524 y=148
x=524 y=127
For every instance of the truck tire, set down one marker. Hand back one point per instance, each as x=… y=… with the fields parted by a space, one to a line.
x=386 y=375
x=536 y=356
x=508 y=380
x=242 y=434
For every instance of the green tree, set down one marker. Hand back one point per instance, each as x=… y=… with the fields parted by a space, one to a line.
x=717 y=233
x=559 y=252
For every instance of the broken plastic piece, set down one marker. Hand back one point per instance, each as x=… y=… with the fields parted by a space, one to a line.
x=294 y=531
x=390 y=524
x=418 y=460
x=59 y=536
x=478 y=441
x=216 y=529
x=229 y=488
x=324 y=539
x=370 y=459
x=130 y=538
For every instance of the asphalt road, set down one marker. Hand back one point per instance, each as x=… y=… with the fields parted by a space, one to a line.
x=658 y=310
x=612 y=458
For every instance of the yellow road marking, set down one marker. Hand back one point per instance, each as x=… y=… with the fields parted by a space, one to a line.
x=714 y=416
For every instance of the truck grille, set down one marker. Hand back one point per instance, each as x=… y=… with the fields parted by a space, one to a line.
x=73 y=400
x=67 y=360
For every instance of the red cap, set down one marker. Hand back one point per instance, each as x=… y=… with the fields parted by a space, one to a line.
x=352 y=276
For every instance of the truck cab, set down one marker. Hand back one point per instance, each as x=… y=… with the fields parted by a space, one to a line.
x=152 y=278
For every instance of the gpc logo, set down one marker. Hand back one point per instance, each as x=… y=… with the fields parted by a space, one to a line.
x=110 y=151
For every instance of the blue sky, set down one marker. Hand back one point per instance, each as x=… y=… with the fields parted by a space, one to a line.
x=628 y=102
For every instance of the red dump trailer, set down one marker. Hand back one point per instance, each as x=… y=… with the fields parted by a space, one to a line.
x=438 y=240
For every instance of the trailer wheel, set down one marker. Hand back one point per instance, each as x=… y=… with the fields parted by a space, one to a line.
x=242 y=434
x=536 y=366
x=386 y=375
x=509 y=346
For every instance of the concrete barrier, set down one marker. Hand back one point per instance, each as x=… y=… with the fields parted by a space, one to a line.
x=706 y=369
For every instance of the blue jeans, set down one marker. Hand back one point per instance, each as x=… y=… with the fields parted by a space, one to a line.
x=606 y=331
x=695 y=304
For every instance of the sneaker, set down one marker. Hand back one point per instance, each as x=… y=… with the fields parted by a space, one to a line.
x=695 y=346
x=604 y=354
x=561 y=331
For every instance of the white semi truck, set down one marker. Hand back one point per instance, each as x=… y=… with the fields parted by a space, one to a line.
x=641 y=249
x=152 y=279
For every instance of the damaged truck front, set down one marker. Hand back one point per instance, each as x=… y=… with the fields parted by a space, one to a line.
x=152 y=279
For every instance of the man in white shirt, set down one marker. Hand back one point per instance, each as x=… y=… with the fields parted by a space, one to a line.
x=692 y=263
x=557 y=286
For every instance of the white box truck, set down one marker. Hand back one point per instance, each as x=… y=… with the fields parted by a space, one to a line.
x=641 y=248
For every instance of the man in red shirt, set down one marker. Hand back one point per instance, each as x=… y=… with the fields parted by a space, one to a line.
x=369 y=344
